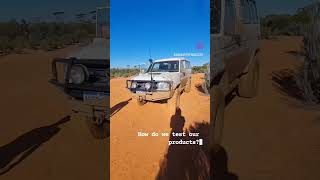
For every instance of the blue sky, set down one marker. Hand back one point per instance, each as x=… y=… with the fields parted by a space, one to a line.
x=30 y=9
x=164 y=27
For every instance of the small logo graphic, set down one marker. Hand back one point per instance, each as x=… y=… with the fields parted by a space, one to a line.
x=199 y=46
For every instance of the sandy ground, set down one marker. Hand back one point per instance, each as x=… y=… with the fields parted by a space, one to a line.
x=141 y=158
x=38 y=140
x=273 y=136
x=269 y=137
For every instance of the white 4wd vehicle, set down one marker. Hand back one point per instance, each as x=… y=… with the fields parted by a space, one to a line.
x=161 y=80
x=84 y=77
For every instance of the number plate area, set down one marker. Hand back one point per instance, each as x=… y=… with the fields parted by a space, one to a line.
x=140 y=92
x=92 y=96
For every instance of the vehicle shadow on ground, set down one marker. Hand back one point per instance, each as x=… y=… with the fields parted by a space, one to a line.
x=219 y=164
x=285 y=81
x=202 y=90
x=193 y=161
x=16 y=151
x=116 y=108
x=317 y=120
x=186 y=161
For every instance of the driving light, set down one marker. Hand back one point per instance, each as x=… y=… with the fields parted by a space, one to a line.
x=77 y=74
x=147 y=86
x=134 y=85
x=163 y=86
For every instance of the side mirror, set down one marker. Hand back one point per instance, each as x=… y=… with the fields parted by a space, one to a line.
x=237 y=39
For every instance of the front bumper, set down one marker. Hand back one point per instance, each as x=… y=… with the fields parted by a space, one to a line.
x=152 y=94
x=61 y=77
x=91 y=109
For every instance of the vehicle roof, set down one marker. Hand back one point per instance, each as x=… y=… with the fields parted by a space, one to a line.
x=170 y=59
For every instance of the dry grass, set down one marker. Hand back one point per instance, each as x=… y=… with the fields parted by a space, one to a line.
x=309 y=80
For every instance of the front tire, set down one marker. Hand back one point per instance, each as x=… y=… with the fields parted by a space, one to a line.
x=187 y=89
x=141 y=102
x=249 y=83
x=217 y=119
x=174 y=102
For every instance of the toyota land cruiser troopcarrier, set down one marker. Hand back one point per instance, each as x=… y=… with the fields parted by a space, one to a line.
x=84 y=77
x=234 y=64
x=162 y=79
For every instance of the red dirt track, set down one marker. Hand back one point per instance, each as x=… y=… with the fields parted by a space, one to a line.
x=270 y=137
x=38 y=140
x=140 y=158
x=273 y=136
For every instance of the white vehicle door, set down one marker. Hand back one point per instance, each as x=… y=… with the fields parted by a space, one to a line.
x=183 y=73
x=235 y=47
x=188 y=69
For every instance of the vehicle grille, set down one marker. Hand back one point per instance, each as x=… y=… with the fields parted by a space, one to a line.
x=141 y=86
x=98 y=77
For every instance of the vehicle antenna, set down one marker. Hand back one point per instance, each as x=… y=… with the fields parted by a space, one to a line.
x=151 y=61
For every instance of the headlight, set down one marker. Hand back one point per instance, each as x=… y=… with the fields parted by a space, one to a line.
x=134 y=85
x=78 y=74
x=163 y=86
x=147 y=86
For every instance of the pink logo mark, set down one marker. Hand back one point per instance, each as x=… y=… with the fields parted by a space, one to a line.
x=200 y=45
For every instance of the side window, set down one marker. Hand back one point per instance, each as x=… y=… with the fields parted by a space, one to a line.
x=252 y=13
x=247 y=12
x=215 y=16
x=156 y=67
x=242 y=11
x=229 y=17
x=188 y=65
x=255 y=13
x=182 y=66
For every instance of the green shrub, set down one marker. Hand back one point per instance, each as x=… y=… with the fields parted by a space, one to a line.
x=15 y=36
x=200 y=69
x=119 y=72
x=311 y=71
x=290 y=25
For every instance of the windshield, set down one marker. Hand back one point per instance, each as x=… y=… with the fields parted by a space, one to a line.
x=215 y=16
x=102 y=22
x=165 y=66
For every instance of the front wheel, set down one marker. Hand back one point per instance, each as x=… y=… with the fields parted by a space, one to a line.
x=98 y=131
x=141 y=102
x=174 y=102
x=249 y=83
x=217 y=119
x=187 y=89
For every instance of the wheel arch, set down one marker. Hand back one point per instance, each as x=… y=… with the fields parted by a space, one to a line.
x=217 y=79
x=252 y=57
